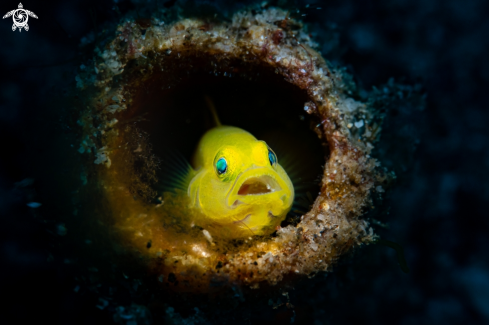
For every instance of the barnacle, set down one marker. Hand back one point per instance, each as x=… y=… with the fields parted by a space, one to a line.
x=140 y=70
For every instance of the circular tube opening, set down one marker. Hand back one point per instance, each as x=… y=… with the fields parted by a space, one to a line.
x=148 y=101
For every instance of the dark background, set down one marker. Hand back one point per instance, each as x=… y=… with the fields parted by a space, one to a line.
x=438 y=208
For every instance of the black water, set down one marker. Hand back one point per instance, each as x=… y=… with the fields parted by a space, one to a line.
x=438 y=209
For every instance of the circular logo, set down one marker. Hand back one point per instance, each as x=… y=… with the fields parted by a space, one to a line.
x=20 y=18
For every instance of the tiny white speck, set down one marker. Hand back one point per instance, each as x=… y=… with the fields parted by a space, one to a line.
x=207 y=235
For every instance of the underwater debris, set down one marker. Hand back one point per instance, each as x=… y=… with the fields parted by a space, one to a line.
x=132 y=70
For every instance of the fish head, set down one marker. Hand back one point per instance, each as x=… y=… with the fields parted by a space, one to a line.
x=242 y=186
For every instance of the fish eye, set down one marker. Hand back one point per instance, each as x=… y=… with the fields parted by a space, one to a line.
x=221 y=166
x=272 y=157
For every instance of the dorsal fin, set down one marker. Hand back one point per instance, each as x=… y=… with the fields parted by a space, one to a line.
x=212 y=108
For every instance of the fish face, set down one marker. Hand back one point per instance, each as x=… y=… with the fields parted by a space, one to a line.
x=263 y=196
x=244 y=188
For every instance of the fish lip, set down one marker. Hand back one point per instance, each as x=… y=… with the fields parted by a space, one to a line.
x=243 y=177
x=243 y=220
x=236 y=203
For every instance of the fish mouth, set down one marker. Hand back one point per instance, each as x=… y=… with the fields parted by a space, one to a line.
x=255 y=184
x=259 y=185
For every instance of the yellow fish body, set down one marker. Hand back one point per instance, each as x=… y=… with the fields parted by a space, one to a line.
x=238 y=184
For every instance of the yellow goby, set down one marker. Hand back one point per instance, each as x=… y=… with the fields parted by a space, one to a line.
x=237 y=184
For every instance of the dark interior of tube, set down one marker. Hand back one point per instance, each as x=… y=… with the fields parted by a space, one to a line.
x=171 y=108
